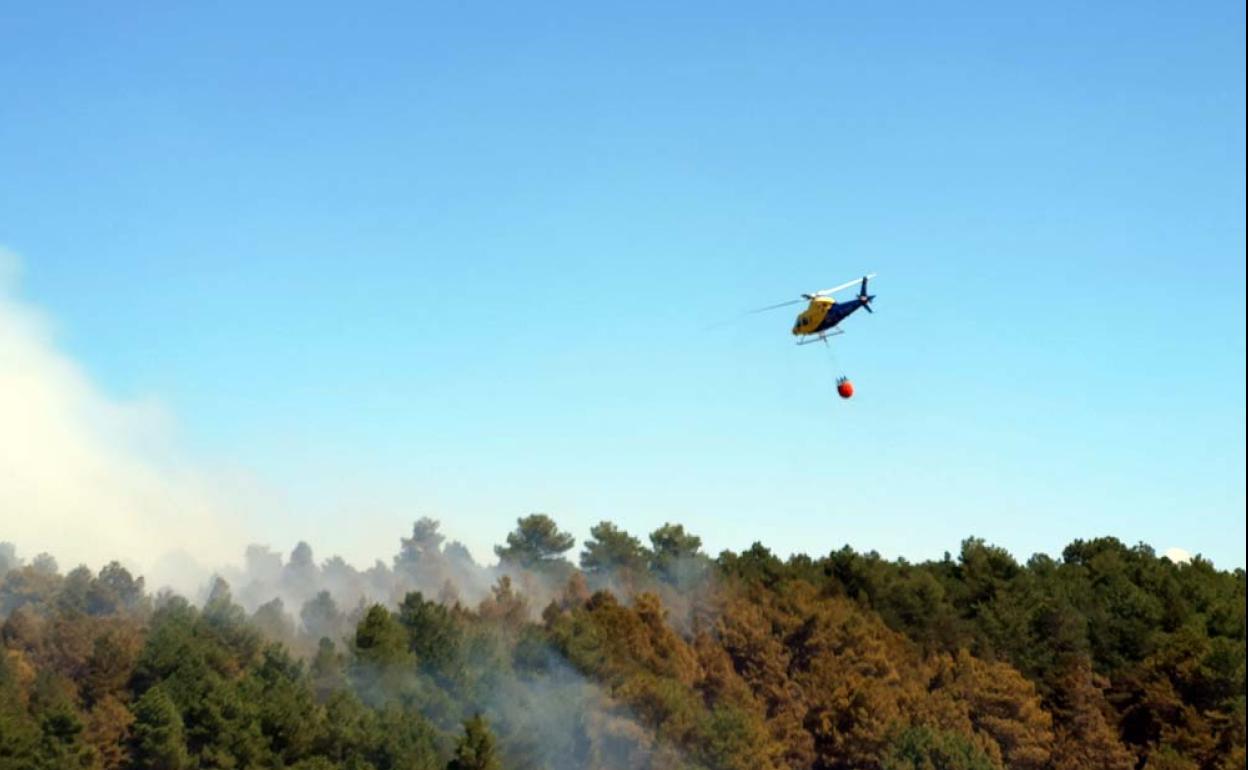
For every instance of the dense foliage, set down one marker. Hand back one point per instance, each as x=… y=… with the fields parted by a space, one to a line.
x=646 y=657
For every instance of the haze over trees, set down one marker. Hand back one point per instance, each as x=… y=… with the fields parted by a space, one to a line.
x=647 y=654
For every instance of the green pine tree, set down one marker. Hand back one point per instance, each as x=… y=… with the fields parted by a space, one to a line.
x=475 y=749
x=158 y=739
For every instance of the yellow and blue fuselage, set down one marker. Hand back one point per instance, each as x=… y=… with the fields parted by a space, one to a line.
x=824 y=313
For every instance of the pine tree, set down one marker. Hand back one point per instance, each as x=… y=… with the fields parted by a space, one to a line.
x=1084 y=737
x=158 y=741
x=536 y=542
x=922 y=748
x=475 y=749
x=610 y=548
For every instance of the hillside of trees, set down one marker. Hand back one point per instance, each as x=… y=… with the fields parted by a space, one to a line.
x=643 y=655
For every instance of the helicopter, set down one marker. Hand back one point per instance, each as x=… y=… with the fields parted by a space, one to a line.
x=822 y=317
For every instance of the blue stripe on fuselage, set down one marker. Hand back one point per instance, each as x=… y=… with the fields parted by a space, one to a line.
x=837 y=313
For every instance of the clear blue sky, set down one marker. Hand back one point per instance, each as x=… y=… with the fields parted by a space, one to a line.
x=460 y=260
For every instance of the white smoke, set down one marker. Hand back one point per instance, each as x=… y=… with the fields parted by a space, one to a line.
x=1178 y=555
x=90 y=478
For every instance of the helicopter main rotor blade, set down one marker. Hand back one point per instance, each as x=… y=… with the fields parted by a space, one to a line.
x=843 y=286
x=748 y=313
x=773 y=307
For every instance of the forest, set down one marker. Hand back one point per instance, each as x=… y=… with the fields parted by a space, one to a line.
x=628 y=654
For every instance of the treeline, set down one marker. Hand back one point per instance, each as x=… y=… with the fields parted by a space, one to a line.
x=647 y=656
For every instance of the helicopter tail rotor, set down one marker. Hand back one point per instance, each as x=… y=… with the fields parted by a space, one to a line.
x=864 y=297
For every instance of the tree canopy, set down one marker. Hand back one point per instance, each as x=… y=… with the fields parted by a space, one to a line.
x=652 y=657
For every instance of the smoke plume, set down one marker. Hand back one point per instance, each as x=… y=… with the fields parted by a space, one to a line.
x=90 y=477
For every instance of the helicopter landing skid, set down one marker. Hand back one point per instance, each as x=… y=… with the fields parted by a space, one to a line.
x=822 y=337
